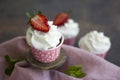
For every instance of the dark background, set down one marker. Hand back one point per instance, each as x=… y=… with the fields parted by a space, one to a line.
x=101 y=15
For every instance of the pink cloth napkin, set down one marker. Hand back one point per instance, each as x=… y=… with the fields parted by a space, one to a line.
x=95 y=67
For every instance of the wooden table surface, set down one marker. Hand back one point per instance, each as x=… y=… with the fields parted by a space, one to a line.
x=101 y=15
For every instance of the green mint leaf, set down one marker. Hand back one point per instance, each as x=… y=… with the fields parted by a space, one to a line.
x=75 y=71
x=10 y=60
x=74 y=68
x=11 y=63
x=9 y=69
x=79 y=74
x=7 y=58
x=82 y=75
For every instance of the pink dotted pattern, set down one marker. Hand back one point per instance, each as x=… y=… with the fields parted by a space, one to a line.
x=46 y=56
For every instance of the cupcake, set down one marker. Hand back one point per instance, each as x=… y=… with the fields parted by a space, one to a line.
x=96 y=43
x=44 y=39
x=68 y=27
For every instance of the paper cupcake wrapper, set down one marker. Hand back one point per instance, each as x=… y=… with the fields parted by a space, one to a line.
x=47 y=56
x=102 y=55
x=70 y=41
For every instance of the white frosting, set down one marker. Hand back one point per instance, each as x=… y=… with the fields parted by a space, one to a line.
x=95 y=42
x=41 y=40
x=69 y=29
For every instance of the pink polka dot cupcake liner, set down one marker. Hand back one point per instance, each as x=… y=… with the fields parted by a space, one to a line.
x=47 y=56
x=70 y=41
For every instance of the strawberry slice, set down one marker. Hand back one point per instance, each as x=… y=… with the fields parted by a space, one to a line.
x=39 y=22
x=60 y=19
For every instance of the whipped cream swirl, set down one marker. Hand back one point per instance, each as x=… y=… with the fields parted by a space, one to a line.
x=70 y=29
x=41 y=40
x=95 y=42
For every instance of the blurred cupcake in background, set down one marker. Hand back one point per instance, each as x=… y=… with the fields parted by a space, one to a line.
x=68 y=27
x=96 y=43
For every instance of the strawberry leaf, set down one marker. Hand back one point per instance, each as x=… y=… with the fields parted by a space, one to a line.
x=39 y=12
x=28 y=15
x=69 y=12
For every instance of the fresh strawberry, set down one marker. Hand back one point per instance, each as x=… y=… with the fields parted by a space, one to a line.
x=60 y=19
x=39 y=22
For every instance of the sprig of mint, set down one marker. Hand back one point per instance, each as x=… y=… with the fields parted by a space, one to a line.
x=11 y=63
x=75 y=71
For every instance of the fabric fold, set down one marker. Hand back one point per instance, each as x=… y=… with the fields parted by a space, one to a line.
x=95 y=67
